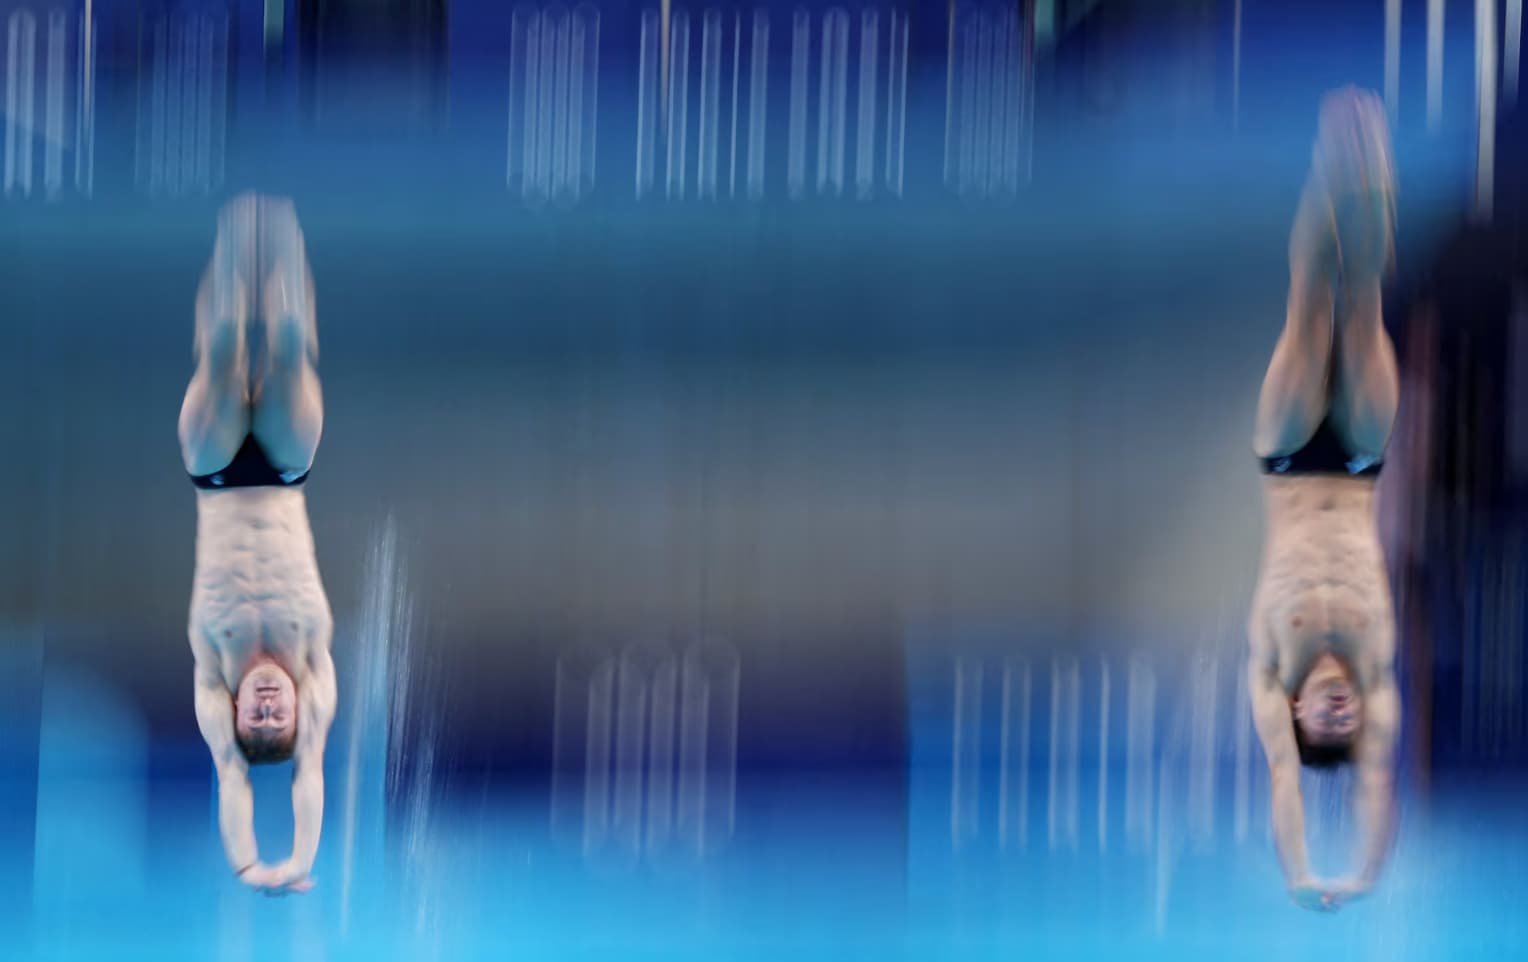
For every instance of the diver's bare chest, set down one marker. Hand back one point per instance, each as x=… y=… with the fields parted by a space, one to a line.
x=242 y=611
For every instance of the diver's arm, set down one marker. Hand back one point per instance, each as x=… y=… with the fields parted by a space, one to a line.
x=1375 y=798
x=313 y=721
x=1275 y=727
x=236 y=805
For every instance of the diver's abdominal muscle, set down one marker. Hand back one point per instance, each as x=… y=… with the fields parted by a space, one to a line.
x=1323 y=585
x=257 y=585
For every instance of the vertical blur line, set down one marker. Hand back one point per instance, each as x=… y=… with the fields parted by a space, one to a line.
x=1242 y=790
x=694 y=718
x=1013 y=799
x=1514 y=50
x=217 y=137
x=801 y=46
x=275 y=22
x=207 y=64
x=53 y=107
x=521 y=100
x=724 y=670
x=758 y=91
x=1140 y=719
x=587 y=36
x=171 y=116
x=1103 y=756
x=665 y=15
x=957 y=104
x=1485 y=107
x=709 y=135
x=966 y=104
x=660 y=753
x=546 y=106
x=564 y=179
x=648 y=97
x=140 y=138
x=896 y=103
x=631 y=712
x=1045 y=21
x=1027 y=98
x=1203 y=707
x=949 y=94
x=678 y=122
x=190 y=103
x=1434 y=65
x=965 y=753
x=737 y=71
x=832 y=102
x=1236 y=55
x=21 y=37
x=864 y=127
x=1061 y=811
x=199 y=40
x=1392 y=56
x=1003 y=167
x=597 y=756
x=981 y=102
x=84 y=135
x=1162 y=864
x=1468 y=671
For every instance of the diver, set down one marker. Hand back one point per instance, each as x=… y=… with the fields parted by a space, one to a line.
x=1322 y=630
x=260 y=624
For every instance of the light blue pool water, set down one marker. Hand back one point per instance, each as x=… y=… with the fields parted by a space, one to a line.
x=1049 y=858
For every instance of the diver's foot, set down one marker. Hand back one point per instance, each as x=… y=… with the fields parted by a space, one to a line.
x=286 y=303
x=1353 y=167
x=224 y=301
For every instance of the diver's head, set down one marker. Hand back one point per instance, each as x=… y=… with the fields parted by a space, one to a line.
x=1328 y=712
x=265 y=714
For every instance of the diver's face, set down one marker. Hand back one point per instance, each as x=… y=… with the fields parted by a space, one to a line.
x=1327 y=707
x=266 y=703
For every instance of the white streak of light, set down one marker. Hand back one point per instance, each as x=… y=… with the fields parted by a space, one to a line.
x=1392 y=56
x=864 y=129
x=1204 y=693
x=660 y=766
x=1434 y=65
x=758 y=91
x=896 y=104
x=832 y=107
x=53 y=106
x=1242 y=803
x=587 y=28
x=1103 y=757
x=1513 y=43
x=1061 y=809
x=601 y=694
x=801 y=45
x=1140 y=719
x=1013 y=775
x=20 y=69
x=678 y=126
x=1485 y=107
x=737 y=69
x=694 y=736
x=1236 y=56
x=965 y=752
x=84 y=138
x=647 y=101
x=710 y=104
